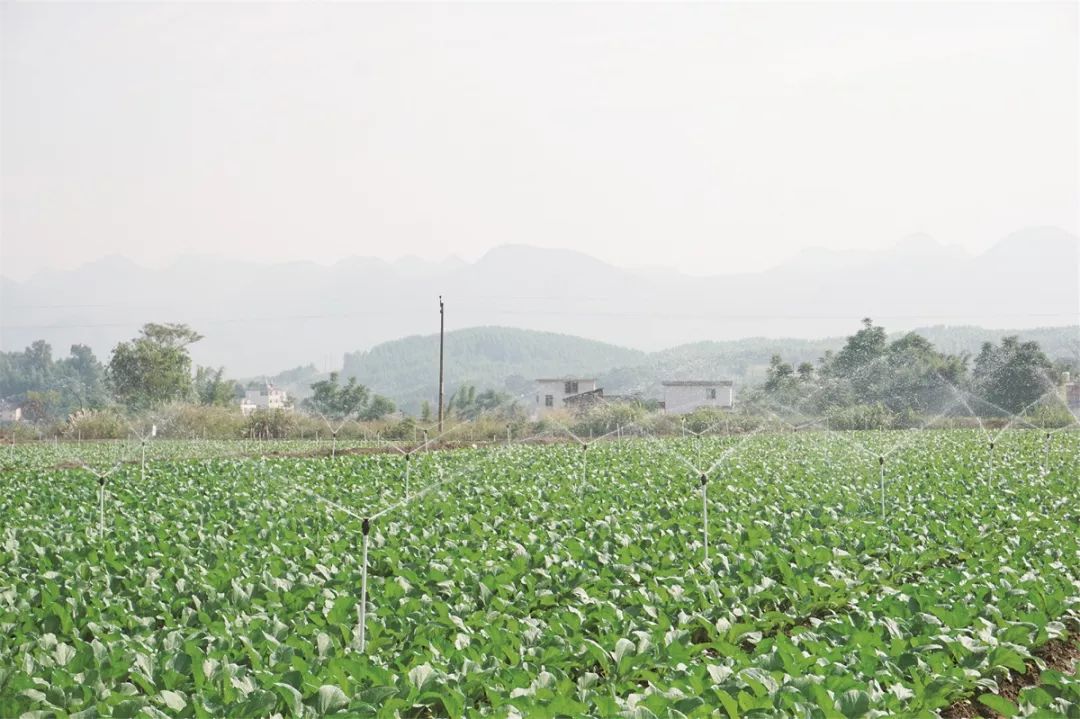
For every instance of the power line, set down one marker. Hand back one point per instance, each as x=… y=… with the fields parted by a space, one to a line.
x=574 y=313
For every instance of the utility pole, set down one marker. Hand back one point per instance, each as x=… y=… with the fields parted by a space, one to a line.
x=442 y=327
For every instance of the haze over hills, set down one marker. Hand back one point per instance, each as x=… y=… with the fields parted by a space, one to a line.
x=508 y=360
x=258 y=318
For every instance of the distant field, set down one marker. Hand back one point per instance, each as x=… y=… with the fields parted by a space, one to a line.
x=545 y=581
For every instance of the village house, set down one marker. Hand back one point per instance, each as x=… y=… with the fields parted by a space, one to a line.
x=684 y=396
x=565 y=393
x=265 y=397
x=10 y=412
x=1072 y=393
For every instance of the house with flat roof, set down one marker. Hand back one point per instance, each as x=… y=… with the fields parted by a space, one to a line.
x=10 y=412
x=684 y=396
x=564 y=393
x=266 y=396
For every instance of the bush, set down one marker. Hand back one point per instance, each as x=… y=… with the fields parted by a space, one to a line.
x=190 y=421
x=862 y=416
x=607 y=419
x=96 y=424
x=270 y=424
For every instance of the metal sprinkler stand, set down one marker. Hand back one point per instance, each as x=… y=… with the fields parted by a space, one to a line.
x=365 y=529
x=705 y=516
x=408 y=456
x=990 y=476
x=881 y=466
x=101 y=511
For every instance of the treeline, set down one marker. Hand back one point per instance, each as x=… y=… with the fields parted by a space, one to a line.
x=147 y=371
x=874 y=382
x=154 y=373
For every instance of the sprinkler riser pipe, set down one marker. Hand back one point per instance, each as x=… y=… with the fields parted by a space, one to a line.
x=365 y=529
x=705 y=518
x=881 y=465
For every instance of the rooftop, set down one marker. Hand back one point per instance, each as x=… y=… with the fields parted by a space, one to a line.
x=699 y=383
x=566 y=379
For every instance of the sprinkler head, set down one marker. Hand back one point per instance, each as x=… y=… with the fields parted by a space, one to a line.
x=366 y=526
x=991 y=445
x=101 y=481
x=881 y=460
x=408 y=455
x=704 y=479
x=584 y=448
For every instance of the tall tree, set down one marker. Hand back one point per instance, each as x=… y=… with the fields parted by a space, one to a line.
x=1013 y=375
x=153 y=368
x=336 y=401
x=50 y=389
x=211 y=387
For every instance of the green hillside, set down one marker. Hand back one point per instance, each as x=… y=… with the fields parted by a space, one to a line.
x=508 y=359
x=503 y=358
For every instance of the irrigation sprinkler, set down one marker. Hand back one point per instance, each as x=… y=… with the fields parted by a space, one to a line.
x=881 y=466
x=508 y=435
x=365 y=529
x=584 y=464
x=408 y=464
x=705 y=516
x=990 y=476
x=101 y=511
x=101 y=477
x=1046 y=456
x=143 y=438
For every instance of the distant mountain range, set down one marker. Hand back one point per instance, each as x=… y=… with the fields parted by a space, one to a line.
x=258 y=318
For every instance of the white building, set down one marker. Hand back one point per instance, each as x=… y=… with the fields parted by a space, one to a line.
x=551 y=394
x=266 y=397
x=1072 y=392
x=10 y=412
x=682 y=397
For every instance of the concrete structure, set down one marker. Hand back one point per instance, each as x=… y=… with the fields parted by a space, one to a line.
x=266 y=397
x=584 y=401
x=681 y=397
x=10 y=412
x=1072 y=395
x=552 y=394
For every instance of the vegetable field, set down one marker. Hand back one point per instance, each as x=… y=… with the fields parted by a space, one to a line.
x=802 y=574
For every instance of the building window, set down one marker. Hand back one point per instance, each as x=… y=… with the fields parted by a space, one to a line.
x=571 y=388
x=549 y=400
x=710 y=393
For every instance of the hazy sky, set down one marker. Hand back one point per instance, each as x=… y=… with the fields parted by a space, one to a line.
x=706 y=137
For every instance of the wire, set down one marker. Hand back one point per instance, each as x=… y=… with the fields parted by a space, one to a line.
x=564 y=313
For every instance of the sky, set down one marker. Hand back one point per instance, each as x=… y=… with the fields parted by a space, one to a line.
x=705 y=137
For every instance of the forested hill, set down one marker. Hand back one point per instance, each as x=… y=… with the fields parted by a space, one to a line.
x=508 y=359
x=503 y=358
